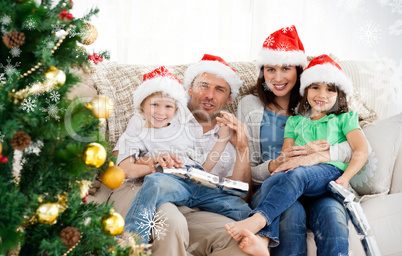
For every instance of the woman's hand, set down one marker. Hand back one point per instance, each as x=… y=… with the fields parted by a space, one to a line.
x=291 y=152
x=317 y=146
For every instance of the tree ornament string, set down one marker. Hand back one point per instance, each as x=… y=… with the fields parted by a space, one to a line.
x=52 y=51
x=72 y=248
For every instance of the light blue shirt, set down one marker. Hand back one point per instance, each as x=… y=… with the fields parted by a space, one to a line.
x=272 y=130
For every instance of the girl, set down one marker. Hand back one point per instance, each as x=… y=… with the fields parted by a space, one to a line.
x=324 y=116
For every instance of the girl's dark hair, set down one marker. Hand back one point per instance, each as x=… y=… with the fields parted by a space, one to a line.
x=340 y=106
x=267 y=96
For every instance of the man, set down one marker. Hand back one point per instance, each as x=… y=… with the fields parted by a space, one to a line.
x=211 y=84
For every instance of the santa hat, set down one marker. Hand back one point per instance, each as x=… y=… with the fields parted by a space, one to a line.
x=217 y=66
x=323 y=69
x=282 y=48
x=160 y=80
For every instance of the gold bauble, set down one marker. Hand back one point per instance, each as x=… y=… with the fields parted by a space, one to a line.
x=113 y=177
x=1 y=148
x=90 y=34
x=112 y=224
x=101 y=106
x=47 y=213
x=95 y=155
x=55 y=76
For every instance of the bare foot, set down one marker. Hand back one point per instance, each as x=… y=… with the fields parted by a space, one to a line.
x=254 y=224
x=254 y=244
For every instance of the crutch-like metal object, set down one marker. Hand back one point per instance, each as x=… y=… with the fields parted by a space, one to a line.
x=357 y=216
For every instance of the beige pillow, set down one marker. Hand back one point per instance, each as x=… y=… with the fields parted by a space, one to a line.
x=385 y=137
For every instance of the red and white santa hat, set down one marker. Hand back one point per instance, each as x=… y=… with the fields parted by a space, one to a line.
x=323 y=69
x=282 y=48
x=160 y=80
x=217 y=66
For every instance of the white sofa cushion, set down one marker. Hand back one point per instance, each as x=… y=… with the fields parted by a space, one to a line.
x=385 y=137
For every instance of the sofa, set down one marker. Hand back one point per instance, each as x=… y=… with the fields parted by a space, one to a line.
x=378 y=185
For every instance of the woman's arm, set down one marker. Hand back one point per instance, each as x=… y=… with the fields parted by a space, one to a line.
x=288 y=151
x=359 y=145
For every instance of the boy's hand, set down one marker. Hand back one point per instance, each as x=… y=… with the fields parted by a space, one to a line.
x=164 y=160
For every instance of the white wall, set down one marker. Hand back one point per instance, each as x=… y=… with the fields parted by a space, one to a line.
x=181 y=31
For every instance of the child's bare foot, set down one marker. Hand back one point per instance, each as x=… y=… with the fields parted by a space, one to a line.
x=254 y=244
x=254 y=224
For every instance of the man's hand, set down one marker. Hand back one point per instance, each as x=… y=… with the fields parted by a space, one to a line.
x=239 y=135
x=164 y=160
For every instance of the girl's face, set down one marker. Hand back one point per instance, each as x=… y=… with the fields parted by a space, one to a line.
x=159 y=110
x=280 y=79
x=321 y=98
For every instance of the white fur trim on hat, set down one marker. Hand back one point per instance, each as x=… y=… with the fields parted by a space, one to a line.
x=215 y=68
x=326 y=73
x=164 y=85
x=281 y=58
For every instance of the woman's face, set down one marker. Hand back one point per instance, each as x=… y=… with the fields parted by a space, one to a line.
x=280 y=79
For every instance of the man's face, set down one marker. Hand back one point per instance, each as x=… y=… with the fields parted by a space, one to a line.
x=209 y=95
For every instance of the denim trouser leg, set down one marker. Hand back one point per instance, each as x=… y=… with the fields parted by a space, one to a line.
x=159 y=188
x=292 y=232
x=303 y=180
x=328 y=220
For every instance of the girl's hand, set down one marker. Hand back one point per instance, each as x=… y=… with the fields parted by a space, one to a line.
x=317 y=146
x=343 y=181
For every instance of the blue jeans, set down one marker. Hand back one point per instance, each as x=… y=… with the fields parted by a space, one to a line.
x=282 y=190
x=159 y=188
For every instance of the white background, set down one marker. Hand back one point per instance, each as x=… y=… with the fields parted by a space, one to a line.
x=167 y=32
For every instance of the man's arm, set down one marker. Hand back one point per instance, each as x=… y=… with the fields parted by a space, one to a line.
x=241 y=170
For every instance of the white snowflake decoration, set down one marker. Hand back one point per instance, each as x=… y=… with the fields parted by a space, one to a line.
x=396 y=6
x=6 y=20
x=283 y=46
x=152 y=225
x=10 y=68
x=15 y=52
x=2 y=78
x=287 y=29
x=29 y=105
x=396 y=28
x=57 y=27
x=2 y=137
x=52 y=111
x=54 y=96
x=30 y=24
x=269 y=41
x=382 y=2
x=370 y=33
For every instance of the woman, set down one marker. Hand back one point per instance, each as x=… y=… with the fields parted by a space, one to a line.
x=265 y=112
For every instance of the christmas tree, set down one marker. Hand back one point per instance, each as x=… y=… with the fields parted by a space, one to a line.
x=42 y=206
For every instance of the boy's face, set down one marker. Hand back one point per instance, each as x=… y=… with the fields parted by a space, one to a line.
x=321 y=98
x=159 y=110
x=209 y=95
